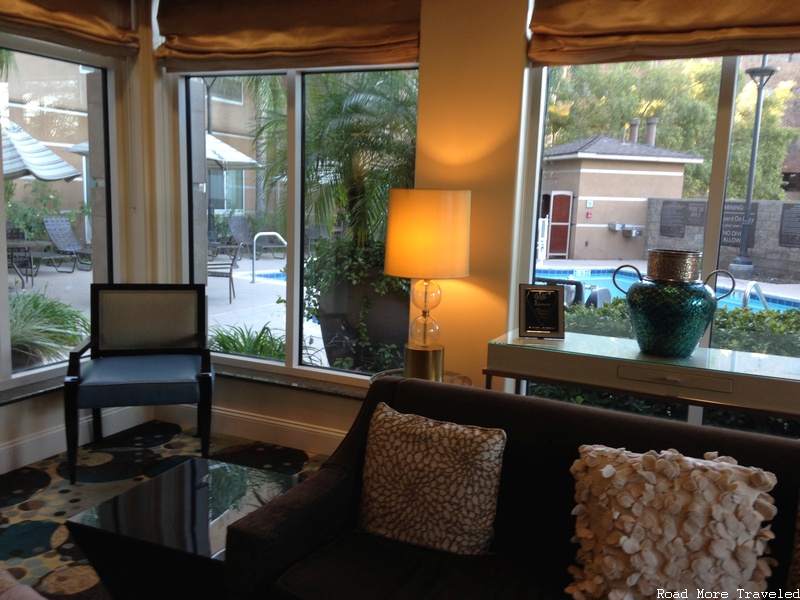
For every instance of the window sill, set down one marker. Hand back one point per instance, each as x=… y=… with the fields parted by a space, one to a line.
x=28 y=385
x=50 y=379
x=333 y=388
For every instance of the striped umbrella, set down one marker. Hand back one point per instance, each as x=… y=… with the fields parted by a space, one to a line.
x=24 y=155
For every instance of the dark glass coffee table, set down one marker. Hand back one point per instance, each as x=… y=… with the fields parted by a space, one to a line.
x=166 y=537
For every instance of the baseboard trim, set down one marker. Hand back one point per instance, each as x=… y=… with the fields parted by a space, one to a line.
x=283 y=432
x=49 y=442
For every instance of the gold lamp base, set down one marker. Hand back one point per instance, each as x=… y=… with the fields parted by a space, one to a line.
x=424 y=363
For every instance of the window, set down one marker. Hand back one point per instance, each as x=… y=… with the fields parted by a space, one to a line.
x=227 y=89
x=358 y=131
x=52 y=116
x=226 y=189
x=630 y=162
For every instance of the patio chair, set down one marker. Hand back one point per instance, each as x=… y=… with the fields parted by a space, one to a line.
x=19 y=254
x=148 y=346
x=242 y=234
x=59 y=229
x=230 y=260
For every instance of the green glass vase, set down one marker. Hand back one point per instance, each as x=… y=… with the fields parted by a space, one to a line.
x=671 y=307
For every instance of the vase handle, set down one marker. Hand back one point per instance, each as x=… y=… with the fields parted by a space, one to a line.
x=727 y=274
x=614 y=276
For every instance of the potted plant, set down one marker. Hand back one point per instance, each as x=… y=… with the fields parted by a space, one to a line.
x=360 y=142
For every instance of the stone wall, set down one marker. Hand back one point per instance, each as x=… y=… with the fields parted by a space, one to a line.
x=679 y=224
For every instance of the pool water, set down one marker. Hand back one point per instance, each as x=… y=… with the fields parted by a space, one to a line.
x=603 y=278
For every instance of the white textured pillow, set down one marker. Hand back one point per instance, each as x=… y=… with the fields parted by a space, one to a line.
x=664 y=521
x=431 y=483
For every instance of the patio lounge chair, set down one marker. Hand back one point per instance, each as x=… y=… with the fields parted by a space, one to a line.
x=67 y=243
x=241 y=234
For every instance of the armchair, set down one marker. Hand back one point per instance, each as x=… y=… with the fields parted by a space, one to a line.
x=148 y=346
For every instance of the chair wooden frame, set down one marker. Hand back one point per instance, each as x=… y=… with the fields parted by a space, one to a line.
x=100 y=346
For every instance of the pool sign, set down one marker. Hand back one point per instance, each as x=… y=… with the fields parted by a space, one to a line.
x=677 y=214
x=732 y=219
x=790 y=226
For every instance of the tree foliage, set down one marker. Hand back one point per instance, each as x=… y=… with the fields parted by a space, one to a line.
x=359 y=141
x=590 y=100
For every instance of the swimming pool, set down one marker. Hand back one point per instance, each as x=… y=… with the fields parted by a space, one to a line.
x=272 y=275
x=603 y=278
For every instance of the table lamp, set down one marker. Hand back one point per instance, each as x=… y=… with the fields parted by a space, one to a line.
x=427 y=238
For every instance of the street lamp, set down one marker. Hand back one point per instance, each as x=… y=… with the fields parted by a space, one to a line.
x=760 y=75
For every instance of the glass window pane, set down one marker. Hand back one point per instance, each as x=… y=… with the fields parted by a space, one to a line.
x=242 y=142
x=627 y=165
x=760 y=243
x=359 y=137
x=45 y=109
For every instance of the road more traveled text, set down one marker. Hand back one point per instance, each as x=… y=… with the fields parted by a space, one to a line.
x=739 y=594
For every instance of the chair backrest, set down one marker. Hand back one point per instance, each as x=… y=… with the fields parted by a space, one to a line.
x=240 y=229
x=60 y=231
x=137 y=318
x=14 y=233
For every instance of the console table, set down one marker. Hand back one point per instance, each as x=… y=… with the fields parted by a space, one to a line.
x=710 y=377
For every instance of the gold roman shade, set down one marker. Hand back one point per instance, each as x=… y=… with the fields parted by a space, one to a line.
x=279 y=34
x=573 y=32
x=102 y=26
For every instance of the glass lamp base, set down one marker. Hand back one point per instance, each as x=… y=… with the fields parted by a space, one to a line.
x=424 y=363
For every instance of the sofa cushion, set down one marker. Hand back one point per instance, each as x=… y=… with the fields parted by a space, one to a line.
x=431 y=483
x=361 y=566
x=666 y=521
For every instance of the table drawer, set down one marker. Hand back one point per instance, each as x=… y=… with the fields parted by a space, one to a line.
x=682 y=380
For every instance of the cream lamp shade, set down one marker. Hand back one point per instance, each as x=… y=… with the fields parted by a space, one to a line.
x=427 y=238
x=427 y=235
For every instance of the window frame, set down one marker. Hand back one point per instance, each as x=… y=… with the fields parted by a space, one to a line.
x=533 y=158
x=292 y=366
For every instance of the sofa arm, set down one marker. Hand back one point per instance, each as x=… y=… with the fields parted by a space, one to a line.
x=263 y=544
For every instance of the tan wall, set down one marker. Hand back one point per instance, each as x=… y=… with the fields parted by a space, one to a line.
x=611 y=191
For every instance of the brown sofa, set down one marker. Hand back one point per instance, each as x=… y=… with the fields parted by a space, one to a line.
x=305 y=544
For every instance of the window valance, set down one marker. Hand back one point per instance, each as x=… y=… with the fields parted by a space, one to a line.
x=277 y=34
x=102 y=26
x=595 y=31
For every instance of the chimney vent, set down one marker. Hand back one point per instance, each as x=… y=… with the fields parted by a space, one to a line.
x=633 y=132
x=651 y=130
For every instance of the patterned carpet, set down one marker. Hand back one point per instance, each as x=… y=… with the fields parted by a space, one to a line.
x=36 y=500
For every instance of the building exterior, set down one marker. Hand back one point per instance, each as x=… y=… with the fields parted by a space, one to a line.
x=606 y=183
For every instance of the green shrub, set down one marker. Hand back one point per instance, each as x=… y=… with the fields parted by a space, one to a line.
x=244 y=340
x=43 y=329
x=27 y=213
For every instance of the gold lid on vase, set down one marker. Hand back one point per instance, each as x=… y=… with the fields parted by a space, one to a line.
x=674 y=265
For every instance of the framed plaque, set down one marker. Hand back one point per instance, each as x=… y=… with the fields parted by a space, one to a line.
x=541 y=311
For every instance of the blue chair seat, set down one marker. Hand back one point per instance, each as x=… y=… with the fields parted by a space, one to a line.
x=121 y=380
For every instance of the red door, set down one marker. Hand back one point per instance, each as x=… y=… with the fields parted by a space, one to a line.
x=560 y=215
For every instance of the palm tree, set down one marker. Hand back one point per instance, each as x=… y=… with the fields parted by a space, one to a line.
x=360 y=141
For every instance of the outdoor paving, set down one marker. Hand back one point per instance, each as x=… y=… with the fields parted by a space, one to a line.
x=255 y=303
